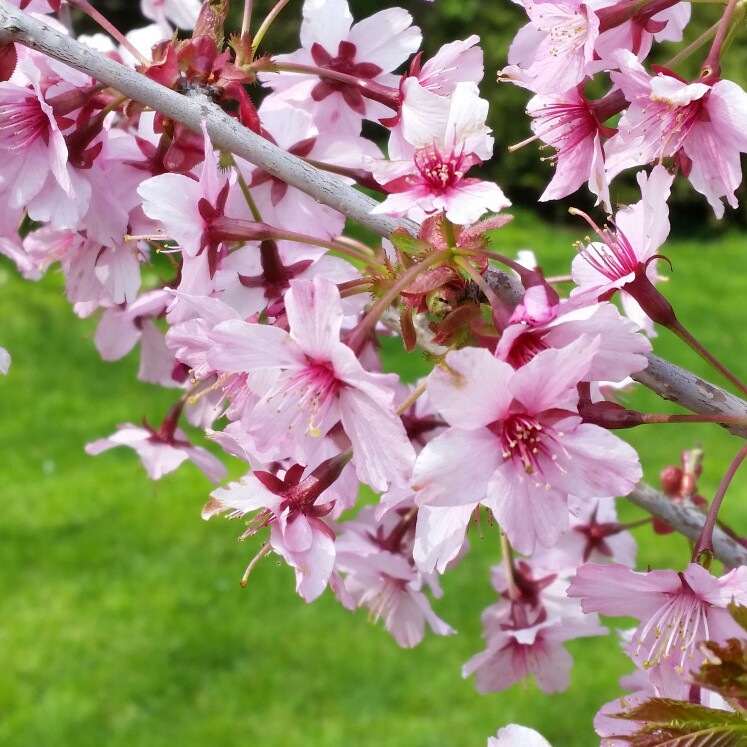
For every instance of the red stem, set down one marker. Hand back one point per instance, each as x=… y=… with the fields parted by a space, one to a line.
x=705 y=540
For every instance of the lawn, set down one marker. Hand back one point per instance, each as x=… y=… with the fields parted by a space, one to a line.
x=121 y=619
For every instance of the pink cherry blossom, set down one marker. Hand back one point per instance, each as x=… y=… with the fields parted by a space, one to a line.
x=293 y=506
x=33 y=147
x=676 y=610
x=516 y=443
x=455 y=62
x=699 y=123
x=621 y=348
x=594 y=535
x=317 y=381
x=567 y=123
x=513 y=653
x=369 y=49
x=161 y=451
x=175 y=201
x=626 y=254
x=429 y=162
x=555 y=49
x=638 y=33
x=379 y=575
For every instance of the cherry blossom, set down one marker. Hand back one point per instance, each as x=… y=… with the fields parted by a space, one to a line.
x=594 y=535
x=31 y=139
x=627 y=255
x=161 y=451
x=676 y=610
x=567 y=123
x=700 y=123
x=369 y=50
x=379 y=575
x=513 y=653
x=293 y=505
x=319 y=382
x=516 y=444
x=426 y=173
x=554 y=50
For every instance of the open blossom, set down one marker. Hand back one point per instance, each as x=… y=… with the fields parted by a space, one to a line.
x=161 y=451
x=455 y=62
x=525 y=630
x=179 y=203
x=513 y=653
x=627 y=255
x=516 y=443
x=701 y=124
x=554 y=51
x=368 y=50
x=621 y=352
x=429 y=162
x=594 y=535
x=639 y=32
x=34 y=152
x=4 y=360
x=293 y=505
x=379 y=575
x=676 y=610
x=566 y=122
x=315 y=381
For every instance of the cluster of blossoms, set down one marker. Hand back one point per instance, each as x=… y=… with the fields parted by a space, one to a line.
x=264 y=317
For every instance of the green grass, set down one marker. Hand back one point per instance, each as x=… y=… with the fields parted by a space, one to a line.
x=121 y=619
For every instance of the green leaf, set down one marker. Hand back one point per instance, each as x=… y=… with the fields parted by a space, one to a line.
x=676 y=723
x=408 y=244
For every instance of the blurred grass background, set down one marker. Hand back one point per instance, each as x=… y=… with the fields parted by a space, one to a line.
x=121 y=619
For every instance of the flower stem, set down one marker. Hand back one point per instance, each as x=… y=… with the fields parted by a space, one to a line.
x=507 y=558
x=246 y=19
x=370 y=89
x=703 y=550
x=358 y=336
x=693 y=46
x=711 y=70
x=109 y=27
x=411 y=399
x=687 y=338
x=262 y=30
x=658 y=418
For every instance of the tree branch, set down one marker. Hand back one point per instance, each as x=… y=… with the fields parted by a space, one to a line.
x=688 y=521
x=225 y=132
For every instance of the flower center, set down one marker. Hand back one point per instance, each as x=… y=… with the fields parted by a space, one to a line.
x=524 y=441
x=613 y=257
x=343 y=62
x=678 y=624
x=22 y=123
x=439 y=170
